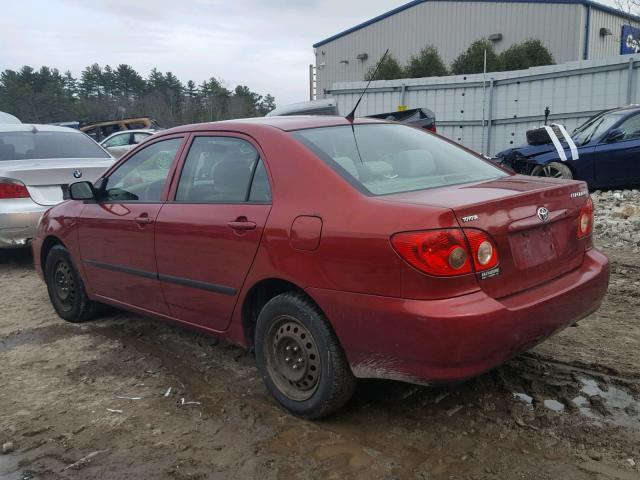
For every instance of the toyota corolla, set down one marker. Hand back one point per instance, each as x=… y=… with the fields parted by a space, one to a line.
x=336 y=250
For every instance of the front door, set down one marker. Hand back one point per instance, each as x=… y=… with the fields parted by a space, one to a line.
x=116 y=234
x=207 y=237
x=618 y=162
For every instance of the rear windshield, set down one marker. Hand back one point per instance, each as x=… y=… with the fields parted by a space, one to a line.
x=384 y=158
x=29 y=145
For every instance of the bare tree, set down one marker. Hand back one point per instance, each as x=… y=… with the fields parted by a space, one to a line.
x=630 y=7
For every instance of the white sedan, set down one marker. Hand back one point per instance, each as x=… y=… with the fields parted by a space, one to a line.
x=37 y=163
x=119 y=143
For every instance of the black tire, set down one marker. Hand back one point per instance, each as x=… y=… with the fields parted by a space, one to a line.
x=553 y=170
x=322 y=382
x=66 y=290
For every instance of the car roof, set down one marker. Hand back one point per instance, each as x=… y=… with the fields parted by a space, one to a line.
x=625 y=109
x=29 y=127
x=285 y=123
x=134 y=130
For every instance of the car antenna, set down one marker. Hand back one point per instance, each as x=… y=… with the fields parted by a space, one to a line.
x=352 y=115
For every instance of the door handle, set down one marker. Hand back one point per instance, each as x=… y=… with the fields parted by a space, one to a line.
x=242 y=224
x=144 y=220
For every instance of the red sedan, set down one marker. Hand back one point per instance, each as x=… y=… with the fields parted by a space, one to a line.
x=336 y=250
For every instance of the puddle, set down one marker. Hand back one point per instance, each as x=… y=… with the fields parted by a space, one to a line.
x=9 y=467
x=554 y=405
x=614 y=404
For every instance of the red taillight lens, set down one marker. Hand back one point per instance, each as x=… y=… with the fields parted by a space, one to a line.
x=445 y=253
x=432 y=127
x=483 y=250
x=585 y=220
x=437 y=252
x=12 y=189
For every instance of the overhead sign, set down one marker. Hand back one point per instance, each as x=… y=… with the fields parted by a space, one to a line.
x=629 y=40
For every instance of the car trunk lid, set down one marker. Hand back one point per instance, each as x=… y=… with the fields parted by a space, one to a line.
x=47 y=180
x=531 y=250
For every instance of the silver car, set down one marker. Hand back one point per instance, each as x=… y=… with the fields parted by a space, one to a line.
x=119 y=143
x=37 y=163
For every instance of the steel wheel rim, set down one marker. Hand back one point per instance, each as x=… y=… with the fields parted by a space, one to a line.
x=550 y=171
x=293 y=360
x=64 y=284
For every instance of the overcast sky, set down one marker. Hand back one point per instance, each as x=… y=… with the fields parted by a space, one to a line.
x=265 y=44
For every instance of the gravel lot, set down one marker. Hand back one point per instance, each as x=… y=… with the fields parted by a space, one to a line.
x=125 y=397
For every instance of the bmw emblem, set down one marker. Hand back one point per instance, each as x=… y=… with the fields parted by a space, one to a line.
x=77 y=173
x=543 y=214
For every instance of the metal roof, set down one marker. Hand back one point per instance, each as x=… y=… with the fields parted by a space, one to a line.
x=589 y=3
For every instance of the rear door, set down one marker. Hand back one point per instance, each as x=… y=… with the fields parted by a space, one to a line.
x=208 y=235
x=116 y=234
x=618 y=163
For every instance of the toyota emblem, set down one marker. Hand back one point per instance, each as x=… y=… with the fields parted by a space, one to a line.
x=77 y=173
x=543 y=214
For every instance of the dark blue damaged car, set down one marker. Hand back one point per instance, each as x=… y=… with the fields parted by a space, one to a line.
x=608 y=148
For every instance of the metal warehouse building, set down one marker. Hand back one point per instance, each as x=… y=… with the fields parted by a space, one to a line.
x=570 y=29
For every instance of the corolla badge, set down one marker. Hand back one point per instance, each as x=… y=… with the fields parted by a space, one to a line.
x=77 y=173
x=543 y=214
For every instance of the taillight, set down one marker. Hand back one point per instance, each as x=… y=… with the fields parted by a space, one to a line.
x=585 y=221
x=10 y=188
x=484 y=252
x=432 y=127
x=446 y=252
x=437 y=252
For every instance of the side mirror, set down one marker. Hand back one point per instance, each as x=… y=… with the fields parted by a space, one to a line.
x=82 y=191
x=614 y=135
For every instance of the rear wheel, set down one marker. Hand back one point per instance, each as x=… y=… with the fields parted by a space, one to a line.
x=66 y=289
x=553 y=170
x=300 y=358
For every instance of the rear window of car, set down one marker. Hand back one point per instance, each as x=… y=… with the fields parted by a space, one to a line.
x=382 y=159
x=42 y=145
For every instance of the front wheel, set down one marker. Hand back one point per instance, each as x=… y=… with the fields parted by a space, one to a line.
x=300 y=359
x=553 y=170
x=66 y=290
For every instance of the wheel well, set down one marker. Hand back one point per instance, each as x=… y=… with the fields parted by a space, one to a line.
x=257 y=298
x=47 y=245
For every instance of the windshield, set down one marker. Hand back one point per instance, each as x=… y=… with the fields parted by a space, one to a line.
x=41 y=145
x=386 y=158
x=595 y=127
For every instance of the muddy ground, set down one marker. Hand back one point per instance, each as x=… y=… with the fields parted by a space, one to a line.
x=92 y=401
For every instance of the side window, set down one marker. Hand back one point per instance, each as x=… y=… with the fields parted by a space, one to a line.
x=631 y=127
x=260 y=189
x=142 y=177
x=217 y=170
x=117 y=141
x=139 y=137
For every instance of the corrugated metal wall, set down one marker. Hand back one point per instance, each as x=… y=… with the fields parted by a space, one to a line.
x=605 y=46
x=514 y=102
x=451 y=26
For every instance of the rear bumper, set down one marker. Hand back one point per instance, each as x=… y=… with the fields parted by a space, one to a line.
x=457 y=338
x=18 y=220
